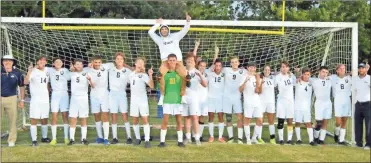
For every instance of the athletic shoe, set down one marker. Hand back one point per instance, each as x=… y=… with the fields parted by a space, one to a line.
x=336 y=138
x=221 y=140
x=71 y=142
x=316 y=140
x=66 y=141
x=254 y=141
x=239 y=141
x=129 y=141
x=11 y=144
x=147 y=144
x=53 y=142
x=186 y=141
x=114 y=141
x=85 y=142
x=261 y=141
x=321 y=142
x=343 y=143
x=248 y=142
x=34 y=143
x=181 y=144
x=290 y=142
x=99 y=140
x=202 y=139
x=230 y=140
x=45 y=140
x=359 y=145
x=193 y=139
x=162 y=145
x=272 y=141
x=367 y=147
x=312 y=143
x=281 y=142
x=106 y=142
x=299 y=142
x=211 y=139
x=137 y=142
x=198 y=142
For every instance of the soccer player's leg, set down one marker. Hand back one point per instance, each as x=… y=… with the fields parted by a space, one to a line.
x=307 y=118
x=203 y=113
x=95 y=109
x=181 y=70
x=227 y=109
x=54 y=104
x=104 y=104
x=123 y=108
x=211 y=125
x=327 y=113
x=299 y=118
x=44 y=108
x=134 y=113
x=64 y=105
x=179 y=132
x=246 y=123
x=270 y=110
x=83 y=114
x=35 y=115
x=290 y=116
x=221 y=126
x=114 y=107
x=345 y=113
x=338 y=119
x=319 y=117
x=237 y=108
x=73 y=114
x=194 y=109
x=281 y=119
x=165 y=120
x=144 y=112
x=258 y=115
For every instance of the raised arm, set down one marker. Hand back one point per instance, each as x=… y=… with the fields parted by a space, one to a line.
x=211 y=68
x=184 y=31
x=28 y=76
x=152 y=31
x=150 y=82
x=259 y=82
x=197 y=44
x=203 y=81
x=243 y=84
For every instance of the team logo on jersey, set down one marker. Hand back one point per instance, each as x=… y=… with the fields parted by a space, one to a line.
x=346 y=80
x=205 y=75
x=271 y=77
x=193 y=75
x=222 y=75
x=62 y=72
x=309 y=85
x=102 y=69
x=47 y=74
x=123 y=71
x=240 y=71
x=140 y=76
x=12 y=76
x=84 y=74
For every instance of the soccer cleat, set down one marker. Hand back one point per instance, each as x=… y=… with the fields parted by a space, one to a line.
x=366 y=147
x=186 y=141
x=202 y=139
x=85 y=142
x=181 y=144
x=11 y=144
x=254 y=141
x=129 y=141
x=239 y=141
x=343 y=143
x=137 y=142
x=198 y=142
x=290 y=142
x=272 y=141
x=71 y=142
x=230 y=140
x=336 y=138
x=193 y=139
x=147 y=144
x=321 y=142
x=312 y=143
x=248 y=142
x=299 y=142
x=45 y=140
x=359 y=145
x=53 y=142
x=106 y=142
x=34 y=143
x=211 y=139
x=99 y=140
x=66 y=141
x=281 y=142
x=162 y=145
x=114 y=141
x=221 y=140
x=316 y=140
x=261 y=141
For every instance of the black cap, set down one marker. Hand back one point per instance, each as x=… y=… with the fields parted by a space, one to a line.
x=362 y=65
x=251 y=64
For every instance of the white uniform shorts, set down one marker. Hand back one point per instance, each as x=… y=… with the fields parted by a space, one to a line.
x=60 y=101
x=302 y=116
x=215 y=105
x=99 y=103
x=232 y=105
x=251 y=111
x=322 y=109
x=39 y=107
x=268 y=107
x=79 y=106
x=204 y=107
x=343 y=107
x=139 y=107
x=118 y=102
x=192 y=107
x=285 y=108
x=173 y=109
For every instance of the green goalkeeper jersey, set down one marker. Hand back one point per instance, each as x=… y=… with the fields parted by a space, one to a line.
x=173 y=83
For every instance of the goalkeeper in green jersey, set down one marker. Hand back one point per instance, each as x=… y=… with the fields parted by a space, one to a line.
x=173 y=91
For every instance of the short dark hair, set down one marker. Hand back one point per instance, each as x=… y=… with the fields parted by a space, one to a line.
x=323 y=67
x=78 y=60
x=218 y=61
x=41 y=57
x=285 y=63
x=172 y=56
x=202 y=61
x=56 y=58
x=190 y=55
x=96 y=57
x=304 y=70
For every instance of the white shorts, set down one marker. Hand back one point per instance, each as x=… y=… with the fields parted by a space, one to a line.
x=285 y=109
x=343 y=108
x=39 y=109
x=60 y=101
x=79 y=107
x=192 y=107
x=215 y=105
x=204 y=107
x=173 y=109
x=230 y=105
x=99 y=103
x=118 y=102
x=302 y=116
x=252 y=111
x=139 y=107
x=268 y=107
x=322 y=110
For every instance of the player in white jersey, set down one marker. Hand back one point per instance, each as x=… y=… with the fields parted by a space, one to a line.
x=60 y=98
x=341 y=91
x=285 y=81
x=303 y=100
x=38 y=79
x=251 y=86
x=190 y=100
x=79 y=106
x=323 y=105
x=232 y=98
x=139 y=100
x=203 y=97
x=118 y=80
x=268 y=100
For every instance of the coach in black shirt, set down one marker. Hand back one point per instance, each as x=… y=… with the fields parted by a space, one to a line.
x=11 y=79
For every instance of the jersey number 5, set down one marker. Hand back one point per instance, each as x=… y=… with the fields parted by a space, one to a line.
x=77 y=79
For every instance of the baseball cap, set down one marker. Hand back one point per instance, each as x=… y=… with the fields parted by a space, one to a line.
x=362 y=65
x=9 y=57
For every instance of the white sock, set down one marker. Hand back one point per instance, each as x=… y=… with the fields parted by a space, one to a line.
x=310 y=134
x=202 y=126
x=65 y=129
x=114 y=131
x=44 y=131
x=128 y=131
x=188 y=136
x=247 y=132
x=180 y=135
x=147 y=131
x=337 y=131
x=322 y=135
x=72 y=133
x=280 y=134
x=290 y=132
x=342 y=135
x=230 y=131
x=197 y=136
x=98 y=127
x=260 y=129
x=221 y=129
x=54 y=132
x=33 y=130
x=316 y=134
x=297 y=131
x=254 y=135
x=84 y=132
x=271 y=130
x=211 y=129
x=106 y=130
x=163 y=135
x=136 y=131
x=240 y=133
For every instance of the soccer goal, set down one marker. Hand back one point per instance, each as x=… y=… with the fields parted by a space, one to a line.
x=303 y=44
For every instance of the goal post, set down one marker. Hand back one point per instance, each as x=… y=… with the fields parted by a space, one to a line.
x=304 y=44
